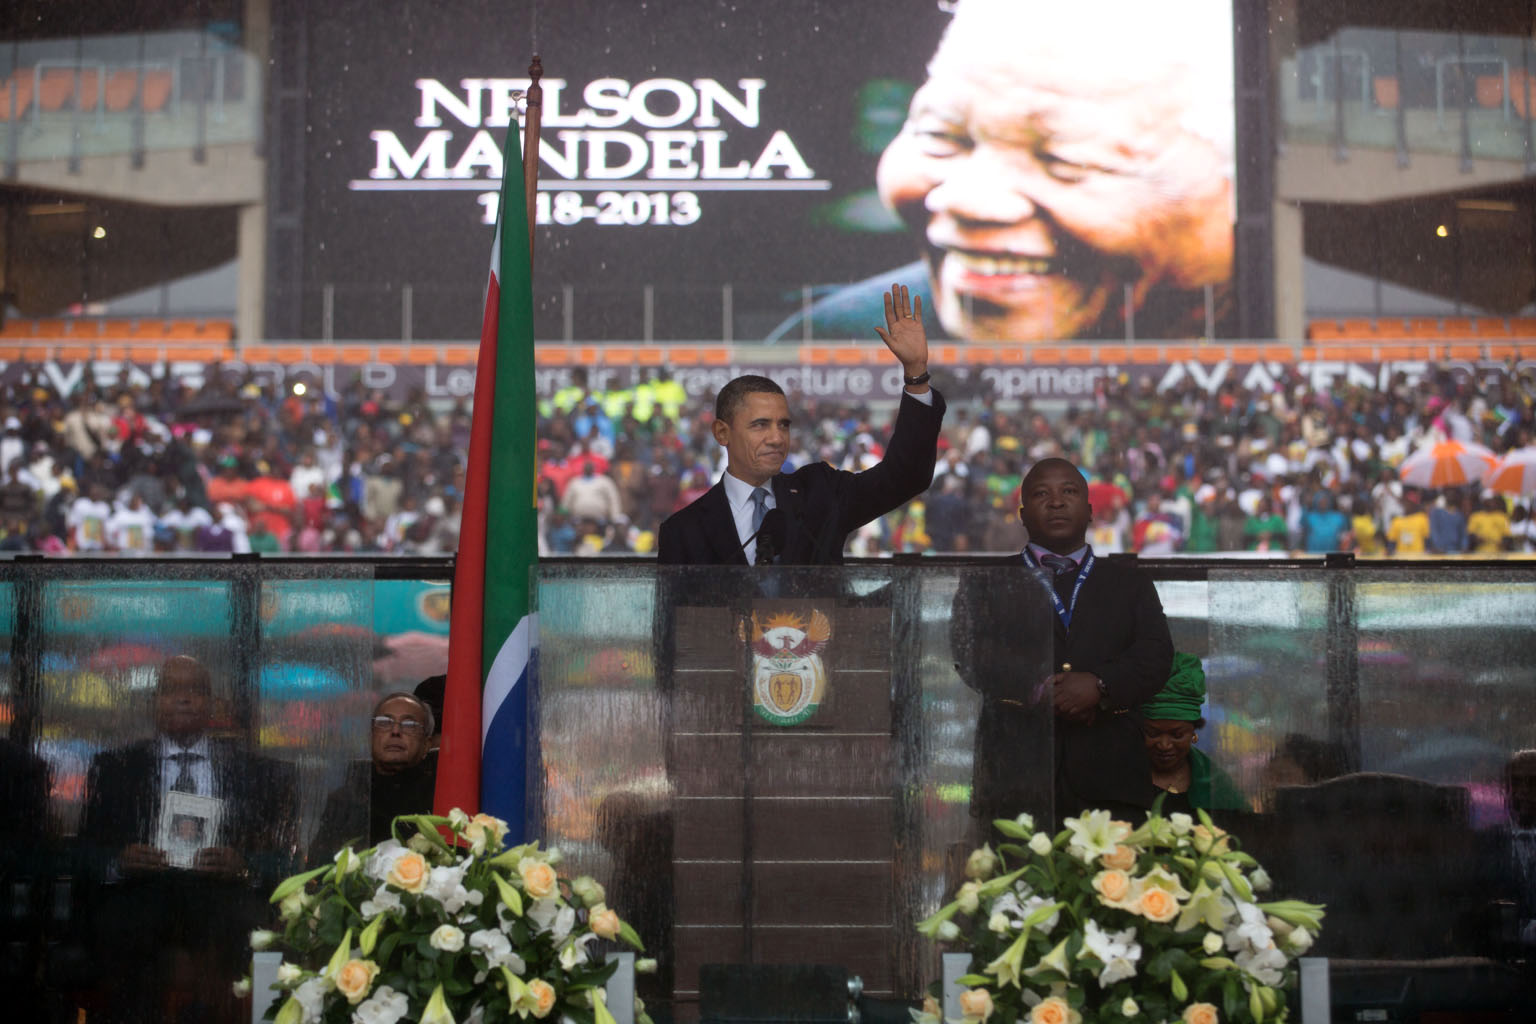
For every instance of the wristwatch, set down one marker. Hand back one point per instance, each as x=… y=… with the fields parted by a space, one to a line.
x=913 y=382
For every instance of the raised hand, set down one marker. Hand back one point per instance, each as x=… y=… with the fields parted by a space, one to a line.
x=903 y=333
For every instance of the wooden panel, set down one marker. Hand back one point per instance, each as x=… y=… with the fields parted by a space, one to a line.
x=784 y=893
x=783 y=764
x=785 y=829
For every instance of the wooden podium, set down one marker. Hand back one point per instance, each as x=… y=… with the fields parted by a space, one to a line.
x=785 y=727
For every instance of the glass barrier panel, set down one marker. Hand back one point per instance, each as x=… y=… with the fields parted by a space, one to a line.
x=781 y=764
x=186 y=719
x=1373 y=722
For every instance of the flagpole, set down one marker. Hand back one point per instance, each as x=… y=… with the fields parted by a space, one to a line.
x=531 y=124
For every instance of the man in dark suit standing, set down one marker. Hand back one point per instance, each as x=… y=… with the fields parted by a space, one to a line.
x=818 y=505
x=1110 y=650
x=173 y=896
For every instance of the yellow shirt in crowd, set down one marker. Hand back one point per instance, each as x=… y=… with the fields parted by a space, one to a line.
x=1490 y=529
x=1409 y=533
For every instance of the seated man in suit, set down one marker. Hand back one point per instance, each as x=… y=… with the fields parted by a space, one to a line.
x=399 y=779
x=183 y=834
x=1111 y=650
x=818 y=505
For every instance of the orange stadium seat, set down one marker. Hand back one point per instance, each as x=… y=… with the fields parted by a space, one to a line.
x=157 y=90
x=1490 y=90
x=18 y=329
x=1357 y=328
x=1325 y=330
x=1492 y=327
x=57 y=88
x=222 y=331
x=1523 y=326
x=52 y=328
x=116 y=329
x=181 y=330
x=1392 y=327
x=122 y=90
x=1424 y=327
x=16 y=94
x=1459 y=327
x=1384 y=88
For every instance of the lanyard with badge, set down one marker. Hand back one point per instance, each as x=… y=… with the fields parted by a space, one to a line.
x=1063 y=611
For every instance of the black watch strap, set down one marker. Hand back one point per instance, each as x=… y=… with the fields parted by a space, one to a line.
x=913 y=382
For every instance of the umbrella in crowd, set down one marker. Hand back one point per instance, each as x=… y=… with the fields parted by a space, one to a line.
x=1446 y=464
x=1515 y=473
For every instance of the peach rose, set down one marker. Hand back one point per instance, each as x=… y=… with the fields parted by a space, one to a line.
x=543 y=994
x=485 y=832
x=1157 y=905
x=539 y=879
x=1210 y=840
x=1201 y=1013
x=604 y=922
x=1122 y=858
x=976 y=1004
x=355 y=979
x=409 y=872
x=1054 y=1010
x=1113 y=886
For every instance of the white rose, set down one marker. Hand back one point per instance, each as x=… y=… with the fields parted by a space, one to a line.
x=1040 y=843
x=241 y=988
x=1260 y=880
x=1129 y=1007
x=288 y=974
x=1026 y=822
x=1211 y=943
x=385 y=1006
x=1299 y=941
x=969 y=897
x=948 y=931
x=447 y=938
x=998 y=923
x=262 y=939
x=1181 y=822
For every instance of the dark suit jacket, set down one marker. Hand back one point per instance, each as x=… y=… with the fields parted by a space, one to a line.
x=1120 y=634
x=122 y=806
x=821 y=505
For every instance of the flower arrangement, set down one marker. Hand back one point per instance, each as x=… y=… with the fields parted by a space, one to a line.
x=1108 y=924
x=442 y=929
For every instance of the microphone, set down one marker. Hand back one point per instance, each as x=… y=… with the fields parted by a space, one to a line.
x=770 y=537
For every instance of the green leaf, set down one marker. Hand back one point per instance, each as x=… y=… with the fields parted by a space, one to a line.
x=294 y=883
x=1010 y=828
x=1177 y=987
x=973 y=980
x=1232 y=997
x=630 y=936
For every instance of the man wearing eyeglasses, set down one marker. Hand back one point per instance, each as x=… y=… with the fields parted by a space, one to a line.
x=397 y=780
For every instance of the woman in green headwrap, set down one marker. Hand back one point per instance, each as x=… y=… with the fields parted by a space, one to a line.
x=1169 y=726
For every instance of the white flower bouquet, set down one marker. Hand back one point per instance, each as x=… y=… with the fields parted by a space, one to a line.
x=1109 y=924
x=442 y=931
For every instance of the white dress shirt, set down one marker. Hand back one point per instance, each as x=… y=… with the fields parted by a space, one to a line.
x=738 y=494
x=202 y=768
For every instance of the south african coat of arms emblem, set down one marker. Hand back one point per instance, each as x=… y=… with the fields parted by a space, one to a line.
x=789 y=681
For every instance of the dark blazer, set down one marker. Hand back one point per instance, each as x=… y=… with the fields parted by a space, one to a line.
x=1120 y=634
x=122 y=806
x=821 y=505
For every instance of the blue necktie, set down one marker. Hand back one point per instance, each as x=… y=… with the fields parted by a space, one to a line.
x=759 y=508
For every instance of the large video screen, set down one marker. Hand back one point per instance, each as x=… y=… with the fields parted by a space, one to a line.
x=708 y=170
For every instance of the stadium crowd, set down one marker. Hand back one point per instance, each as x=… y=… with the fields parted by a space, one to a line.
x=232 y=466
